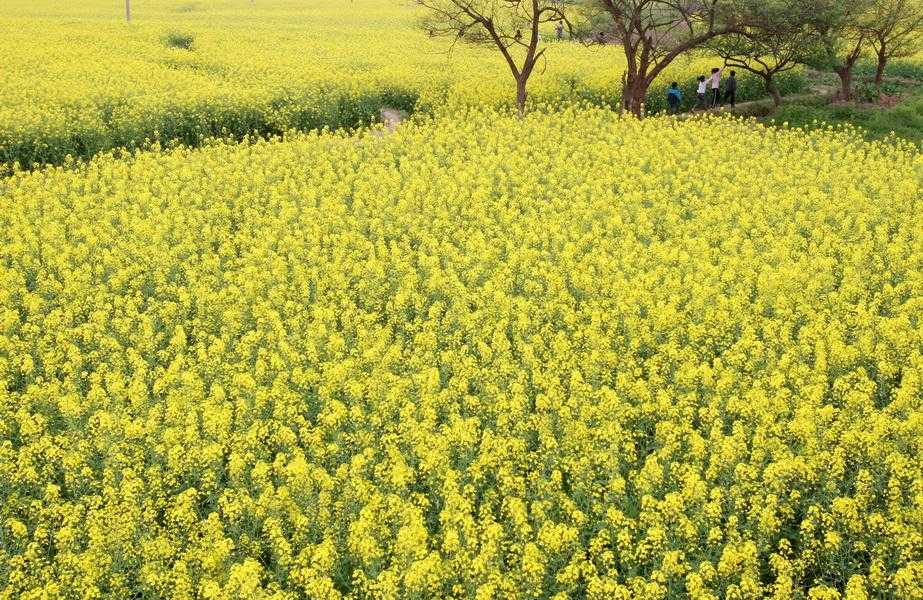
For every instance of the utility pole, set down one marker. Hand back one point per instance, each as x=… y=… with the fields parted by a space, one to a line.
x=128 y=11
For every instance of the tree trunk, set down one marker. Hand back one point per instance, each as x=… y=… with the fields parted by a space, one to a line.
x=773 y=91
x=635 y=94
x=880 y=70
x=845 y=74
x=128 y=11
x=521 y=96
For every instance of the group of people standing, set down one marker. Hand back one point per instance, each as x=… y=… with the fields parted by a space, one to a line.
x=709 y=90
x=708 y=93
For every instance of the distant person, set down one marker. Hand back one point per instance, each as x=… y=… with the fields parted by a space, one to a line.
x=674 y=98
x=730 y=92
x=559 y=30
x=716 y=86
x=701 y=102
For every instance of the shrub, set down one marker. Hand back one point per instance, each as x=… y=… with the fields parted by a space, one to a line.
x=179 y=40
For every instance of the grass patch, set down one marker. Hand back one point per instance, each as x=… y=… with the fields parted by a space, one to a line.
x=905 y=69
x=179 y=40
x=904 y=120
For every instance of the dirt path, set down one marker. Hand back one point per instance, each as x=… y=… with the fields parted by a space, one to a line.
x=902 y=80
x=747 y=108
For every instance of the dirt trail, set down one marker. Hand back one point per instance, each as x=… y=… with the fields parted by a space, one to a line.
x=902 y=80
x=745 y=108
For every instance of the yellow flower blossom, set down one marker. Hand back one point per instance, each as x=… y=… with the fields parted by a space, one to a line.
x=481 y=357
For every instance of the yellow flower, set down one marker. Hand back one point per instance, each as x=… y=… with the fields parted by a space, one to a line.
x=480 y=357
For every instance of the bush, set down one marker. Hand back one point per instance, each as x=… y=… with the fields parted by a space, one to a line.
x=179 y=40
x=868 y=92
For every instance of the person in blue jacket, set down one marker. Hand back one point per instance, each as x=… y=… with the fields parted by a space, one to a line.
x=674 y=98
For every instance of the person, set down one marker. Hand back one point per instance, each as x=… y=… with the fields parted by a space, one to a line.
x=674 y=97
x=703 y=89
x=716 y=86
x=559 y=30
x=730 y=93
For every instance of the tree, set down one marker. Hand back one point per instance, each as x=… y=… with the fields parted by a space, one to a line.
x=841 y=37
x=772 y=39
x=895 y=30
x=512 y=26
x=653 y=33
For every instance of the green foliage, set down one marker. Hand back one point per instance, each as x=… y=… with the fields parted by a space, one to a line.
x=837 y=26
x=192 y=124
x=589 y=24
x=179 y=40
x=904 y=121
x=868 y=92
x=905 y=69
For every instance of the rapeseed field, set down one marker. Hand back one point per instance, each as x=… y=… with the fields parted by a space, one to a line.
x=570 y=356
x=79 y=80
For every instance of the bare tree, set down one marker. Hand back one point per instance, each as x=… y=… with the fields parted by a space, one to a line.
x=895 y=30
x=128 y=10
x=772 y=41
x=513 y=27
x=654 y=33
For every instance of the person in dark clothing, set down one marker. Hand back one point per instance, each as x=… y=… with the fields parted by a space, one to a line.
x=674 y=98
x=730 y=92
